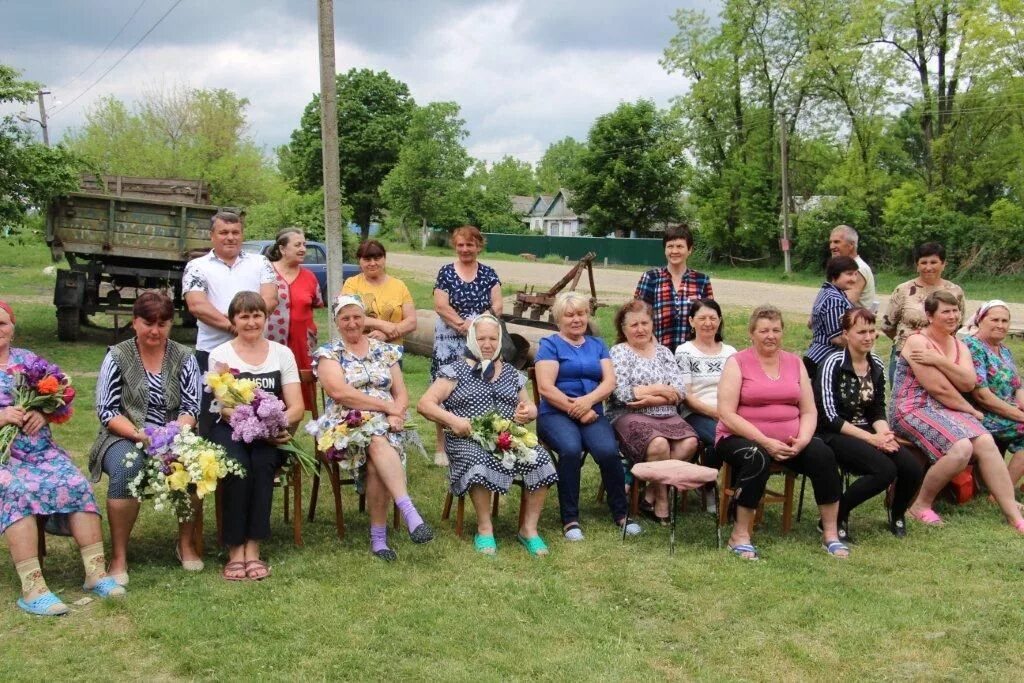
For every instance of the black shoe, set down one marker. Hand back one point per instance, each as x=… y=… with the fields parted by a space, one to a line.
x=898 y=527
x=386 y=554
x=422 y=534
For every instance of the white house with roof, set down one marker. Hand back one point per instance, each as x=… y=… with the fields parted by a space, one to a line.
x=552 y=215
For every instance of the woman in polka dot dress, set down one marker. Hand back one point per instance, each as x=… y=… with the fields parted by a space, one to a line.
x=298 y=293
x=469 y=388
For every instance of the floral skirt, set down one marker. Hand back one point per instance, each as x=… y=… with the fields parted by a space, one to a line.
x=40 y=479
x=636 y=431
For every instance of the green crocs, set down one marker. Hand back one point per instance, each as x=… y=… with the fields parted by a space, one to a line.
x=485 y=544
x=534 y=545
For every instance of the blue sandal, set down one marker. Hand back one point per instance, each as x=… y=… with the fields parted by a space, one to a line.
x=46 y=605
x=739 y=550
x=833 y=548
x=534 y=545
x=106 y=588
x=485 y=545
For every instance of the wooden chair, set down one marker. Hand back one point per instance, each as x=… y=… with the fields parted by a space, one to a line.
x=727 y=491
x=460 y=508
x=333 y=471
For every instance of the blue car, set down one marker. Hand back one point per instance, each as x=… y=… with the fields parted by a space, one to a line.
x=316 y=261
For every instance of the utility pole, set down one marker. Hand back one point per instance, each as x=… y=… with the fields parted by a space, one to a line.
x=784 y=149
x=42 y=116
x=329 y=139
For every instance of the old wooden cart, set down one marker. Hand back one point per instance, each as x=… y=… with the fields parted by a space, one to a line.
x=119 y=234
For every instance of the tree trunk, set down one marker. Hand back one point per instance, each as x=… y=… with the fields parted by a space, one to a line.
x=423 y=233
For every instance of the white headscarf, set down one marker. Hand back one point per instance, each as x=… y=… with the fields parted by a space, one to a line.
x=980 y=314
x=486 y=365
x=344 y=300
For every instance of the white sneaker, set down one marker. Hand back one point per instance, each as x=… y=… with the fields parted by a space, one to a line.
x=710 y=501
x=441 y=459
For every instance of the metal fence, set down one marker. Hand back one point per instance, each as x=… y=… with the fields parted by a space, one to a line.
x=626 y=251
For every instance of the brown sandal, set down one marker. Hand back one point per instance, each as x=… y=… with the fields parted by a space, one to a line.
x=257 y=570
x=234 y=567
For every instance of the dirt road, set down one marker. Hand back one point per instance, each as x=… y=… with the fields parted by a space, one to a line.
x=616 y=285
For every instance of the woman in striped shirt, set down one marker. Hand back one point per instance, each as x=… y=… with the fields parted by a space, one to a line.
x=146 y=380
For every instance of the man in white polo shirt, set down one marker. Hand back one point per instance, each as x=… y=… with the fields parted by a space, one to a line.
x=843 y=242
x=211 y=281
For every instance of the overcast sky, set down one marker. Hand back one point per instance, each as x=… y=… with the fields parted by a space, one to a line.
x=526 y=72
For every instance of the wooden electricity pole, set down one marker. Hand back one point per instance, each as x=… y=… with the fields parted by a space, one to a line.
x=784 y=150
x=329 y=138
x=42 y=116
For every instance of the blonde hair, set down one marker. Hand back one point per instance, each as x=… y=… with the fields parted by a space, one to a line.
x=764 y=312
x=569 y=301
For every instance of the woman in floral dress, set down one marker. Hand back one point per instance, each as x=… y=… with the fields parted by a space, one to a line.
x=463 y=290
x=999 y=394
x=360 y=373
x=39 y=480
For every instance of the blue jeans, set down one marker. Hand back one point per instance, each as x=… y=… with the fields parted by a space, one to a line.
x=570 y=439
x=705 y=428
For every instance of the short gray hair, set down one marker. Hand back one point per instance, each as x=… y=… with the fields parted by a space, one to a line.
x=569 y=300
x=849 y=234
x=229 y=217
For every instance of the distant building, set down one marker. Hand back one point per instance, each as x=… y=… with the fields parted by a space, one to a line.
x=552 y=215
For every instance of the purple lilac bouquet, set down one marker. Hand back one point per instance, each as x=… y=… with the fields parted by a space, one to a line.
x=262 y=419
x=38 y=385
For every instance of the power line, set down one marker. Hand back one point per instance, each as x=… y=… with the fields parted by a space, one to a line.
x=116 y=36
x=121 y=59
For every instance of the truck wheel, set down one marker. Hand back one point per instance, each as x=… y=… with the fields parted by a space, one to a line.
x=68 y=324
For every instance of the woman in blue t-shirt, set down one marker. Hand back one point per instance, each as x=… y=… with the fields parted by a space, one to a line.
x=574 y=375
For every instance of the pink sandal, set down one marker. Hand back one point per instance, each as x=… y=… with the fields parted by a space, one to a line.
x=926 y=516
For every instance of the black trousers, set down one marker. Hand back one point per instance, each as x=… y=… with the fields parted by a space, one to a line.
x=205 y=421
x=247 y=500
x=877 y=470
x=750 y=469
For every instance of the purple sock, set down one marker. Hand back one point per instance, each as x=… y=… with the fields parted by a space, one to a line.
x=378 y=538
x=409 y=514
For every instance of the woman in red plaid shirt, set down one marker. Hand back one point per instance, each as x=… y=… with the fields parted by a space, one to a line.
x=671 y=290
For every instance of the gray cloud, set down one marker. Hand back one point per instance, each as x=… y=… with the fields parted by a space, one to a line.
x=526 y=72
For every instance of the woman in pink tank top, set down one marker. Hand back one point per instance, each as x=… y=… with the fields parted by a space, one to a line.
x=767 y=415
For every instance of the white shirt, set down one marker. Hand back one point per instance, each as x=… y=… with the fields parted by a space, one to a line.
x=867 y=297
x=273 y=374
x=701 y=372
x=221 y=282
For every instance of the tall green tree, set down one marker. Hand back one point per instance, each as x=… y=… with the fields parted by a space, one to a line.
x=30 y=173
x=560 y=164
x=428 y=181
x=374 y=112
x=179 y=132
x=489 y=191
x=632 y=172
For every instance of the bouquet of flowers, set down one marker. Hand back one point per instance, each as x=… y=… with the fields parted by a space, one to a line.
x=344 y=436
x=42 y=386
x=177 y=459
x=506 y=440
x=257 y=414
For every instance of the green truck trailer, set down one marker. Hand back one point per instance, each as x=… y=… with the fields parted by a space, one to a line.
x=119 y=235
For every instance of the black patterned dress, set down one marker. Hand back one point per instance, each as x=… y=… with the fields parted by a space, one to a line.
x=470 y=464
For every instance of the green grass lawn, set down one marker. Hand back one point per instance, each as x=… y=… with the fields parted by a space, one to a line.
x=942 y=604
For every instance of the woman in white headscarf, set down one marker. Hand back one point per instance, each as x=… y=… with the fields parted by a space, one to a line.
x=358 y=372
x=473 y=386
x=998 y=393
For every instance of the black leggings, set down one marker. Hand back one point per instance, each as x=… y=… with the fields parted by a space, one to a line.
x=247 y=500
x=877 y=470
x=750 y=469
